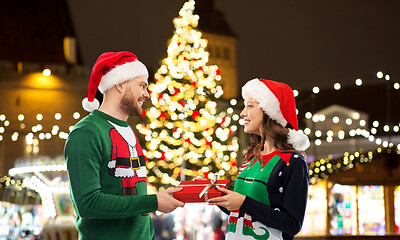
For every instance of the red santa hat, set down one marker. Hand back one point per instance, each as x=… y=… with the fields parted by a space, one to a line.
x=112 y=68
x=276 y=99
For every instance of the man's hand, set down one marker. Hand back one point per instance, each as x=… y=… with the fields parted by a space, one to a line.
x=231 y=201
x=166 y=203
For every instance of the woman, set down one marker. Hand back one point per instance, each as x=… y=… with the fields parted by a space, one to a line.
x=270 y=195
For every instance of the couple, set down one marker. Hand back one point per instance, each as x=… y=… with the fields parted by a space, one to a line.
x=107 y=168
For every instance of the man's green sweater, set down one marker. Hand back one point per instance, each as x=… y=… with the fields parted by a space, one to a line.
x=107 y=174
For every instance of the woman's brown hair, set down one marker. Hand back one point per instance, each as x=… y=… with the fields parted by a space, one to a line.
x=273 y=129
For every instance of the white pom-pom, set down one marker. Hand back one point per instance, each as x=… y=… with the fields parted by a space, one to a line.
x=90 y=106
x=298 y=140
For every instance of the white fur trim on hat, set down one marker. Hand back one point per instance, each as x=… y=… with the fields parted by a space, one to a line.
x=267 y=101
x=122 y=73
x=90 y=106
x=298 y=140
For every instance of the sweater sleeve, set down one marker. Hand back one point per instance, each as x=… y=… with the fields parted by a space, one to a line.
x=83 y=156
x=289 y=218
x=226 y=211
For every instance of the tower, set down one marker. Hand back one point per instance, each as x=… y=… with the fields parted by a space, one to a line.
x=221 y=45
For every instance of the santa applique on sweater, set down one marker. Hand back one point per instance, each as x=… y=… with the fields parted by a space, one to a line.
x=127 y=160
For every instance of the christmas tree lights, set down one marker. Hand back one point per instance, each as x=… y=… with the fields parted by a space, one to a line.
x=187 y=135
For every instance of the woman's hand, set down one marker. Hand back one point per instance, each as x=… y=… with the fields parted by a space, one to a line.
x=231 y=201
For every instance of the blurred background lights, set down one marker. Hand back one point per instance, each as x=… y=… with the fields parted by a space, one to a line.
x=57 y=116
x=386 y=128
x=318 y=133
x=21 y=117
x=379 y=74
x=337 y=86
x=76 y=115
x=335 y=119
x=39 y=117
x=315 y=90
x=358 y=82
x=46 y=72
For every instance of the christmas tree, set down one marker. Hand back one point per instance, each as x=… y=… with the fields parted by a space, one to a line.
x=186 y=136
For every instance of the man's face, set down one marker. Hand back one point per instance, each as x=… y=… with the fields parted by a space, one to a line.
x=134 y=96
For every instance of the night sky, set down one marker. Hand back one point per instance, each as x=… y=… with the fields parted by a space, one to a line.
x=302 y=43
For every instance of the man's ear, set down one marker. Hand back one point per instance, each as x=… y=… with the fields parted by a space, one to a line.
x=119 y=87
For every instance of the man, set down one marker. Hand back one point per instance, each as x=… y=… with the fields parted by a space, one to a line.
x=105 y=162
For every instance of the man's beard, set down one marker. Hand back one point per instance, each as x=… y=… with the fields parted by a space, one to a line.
x=130 y=106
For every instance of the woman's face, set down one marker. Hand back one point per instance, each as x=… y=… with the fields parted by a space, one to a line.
x=252 y=115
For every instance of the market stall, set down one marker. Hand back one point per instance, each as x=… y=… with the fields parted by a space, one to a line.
x=355 y=195
x=48 y=177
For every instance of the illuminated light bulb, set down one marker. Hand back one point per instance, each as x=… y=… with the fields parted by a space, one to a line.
x=386 y=128
x=57 y=116
x=379 y=74
x=39 y=117
x=318 y=142
x=378 y=141
x=2 y=117
x=337 y=86
x=321 y=118
x=6 y=123
x=358 y=82
x=373 y=130
x=329 y=139
x=46 y=72
x=14 y=137
x=76 y=115
x=362 y=123
x=307 y=131
x=349 y=121
x=352 y=133
x=296 y=93
x=396 y=128
x=308 y=115
x=315 y=90
x=387 y=77
x=318 y=133
x=329 y=133
x=315 y=118
x=42 y=136
x=341 y=134
x=375 y=124
x=2 y=129
x=233 y=102
x=396 y=86
x=385 y=144
x=21 y=117
x=335 y=119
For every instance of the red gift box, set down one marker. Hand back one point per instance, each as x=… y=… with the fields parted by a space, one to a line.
x=191 y=190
